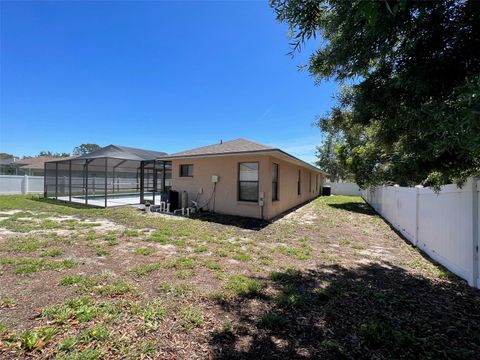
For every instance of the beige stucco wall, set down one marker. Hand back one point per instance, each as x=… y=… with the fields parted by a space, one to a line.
x=226 y=197
x=288 y=196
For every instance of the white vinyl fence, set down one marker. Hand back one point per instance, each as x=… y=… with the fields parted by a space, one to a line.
x=17 y=184
x=443 y=225
x=351 y=189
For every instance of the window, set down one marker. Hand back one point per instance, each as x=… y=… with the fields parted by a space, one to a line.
x=298 y=182
x=274 y=182
x=248 y=181
x=186 y=170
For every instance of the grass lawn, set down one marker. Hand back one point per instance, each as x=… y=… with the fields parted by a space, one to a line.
x=329 y=280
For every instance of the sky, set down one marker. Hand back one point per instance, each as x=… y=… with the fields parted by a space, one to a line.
x=164 y=76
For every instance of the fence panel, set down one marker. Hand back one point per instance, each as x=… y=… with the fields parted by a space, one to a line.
x=17 y=184
x=407 y=212
x=349 y=189
x=444 y=225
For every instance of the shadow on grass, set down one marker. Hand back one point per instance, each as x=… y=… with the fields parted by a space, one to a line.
x=373 y=311
x=244 y=222
x=357 y=207
x=238 y=221
x=63 y=203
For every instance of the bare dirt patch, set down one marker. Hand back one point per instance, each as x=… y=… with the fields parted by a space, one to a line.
x=329 y=280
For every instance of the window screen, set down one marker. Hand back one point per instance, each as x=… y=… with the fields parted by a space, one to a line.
x=274 y=182
x=248 y=181
x=186 y=170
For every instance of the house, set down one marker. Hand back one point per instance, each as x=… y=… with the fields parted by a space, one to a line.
x=238 y=177
x=34 y=166
x=7 y=165
x=244 y=178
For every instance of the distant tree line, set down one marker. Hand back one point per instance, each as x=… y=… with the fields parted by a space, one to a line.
x=82 y=149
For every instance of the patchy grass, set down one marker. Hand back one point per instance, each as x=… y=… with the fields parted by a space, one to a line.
x=241 y=285
x=32 y=265
x=330 y=280
x=144 y=251
x=191 y=317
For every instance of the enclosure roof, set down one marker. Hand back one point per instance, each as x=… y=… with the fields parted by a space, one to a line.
x=238 y=147
x=122 y=152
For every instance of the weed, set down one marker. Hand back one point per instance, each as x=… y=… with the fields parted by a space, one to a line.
x=288 y=275
x=212 y=265
x=7 y=302
x=175 y=290
x=302 y=253
x=153 y=313
x=54 y=252
x=191 y=317
x=240 y=285
x=200 y=249
x=118 y=287
x=35 y=340
x=81 y=309
x=357 y=246
x=221 y=253
x=143 y=270
x=145 y=251
x=3 y=328
x=102 y=252
x=97 y=333
x=31 y=265
x=289 y=297
x=162 y=236
x=272 y=321
x=242 y=256
x=68 y=343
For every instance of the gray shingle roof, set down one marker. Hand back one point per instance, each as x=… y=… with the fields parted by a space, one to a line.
x=235 y=147
x=232 y=146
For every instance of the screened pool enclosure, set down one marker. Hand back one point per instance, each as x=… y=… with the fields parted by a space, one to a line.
x=112 y=176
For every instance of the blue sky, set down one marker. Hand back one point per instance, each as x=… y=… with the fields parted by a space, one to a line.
x=164 y=76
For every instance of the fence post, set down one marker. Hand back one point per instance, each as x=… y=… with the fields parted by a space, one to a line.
x=417 y=202
x=24 y=187
x=475 y=232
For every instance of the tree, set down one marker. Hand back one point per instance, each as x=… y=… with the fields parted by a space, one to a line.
x=84 y=149
x=52 y=154
x=5 y=156
x=410 y=108
x=329 y=160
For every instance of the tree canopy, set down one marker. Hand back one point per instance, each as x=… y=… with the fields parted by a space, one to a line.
x=409 y=110
x=5 y=155
x=329 y=159
x=84 y=149
x=53 y=154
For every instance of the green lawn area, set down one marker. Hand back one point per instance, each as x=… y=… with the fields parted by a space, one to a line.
x=329 y=280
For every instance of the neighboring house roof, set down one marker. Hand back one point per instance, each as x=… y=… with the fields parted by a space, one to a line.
x=37 y=162
x=122 y=152
x=237 y=147
x=8 y=161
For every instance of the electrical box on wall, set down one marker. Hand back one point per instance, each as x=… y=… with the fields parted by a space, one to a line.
x=214 y=178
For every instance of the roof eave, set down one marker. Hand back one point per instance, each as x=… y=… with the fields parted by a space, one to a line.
x=240 y=153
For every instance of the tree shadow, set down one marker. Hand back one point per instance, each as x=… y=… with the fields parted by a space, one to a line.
x=374 y=311
x=357 y=207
